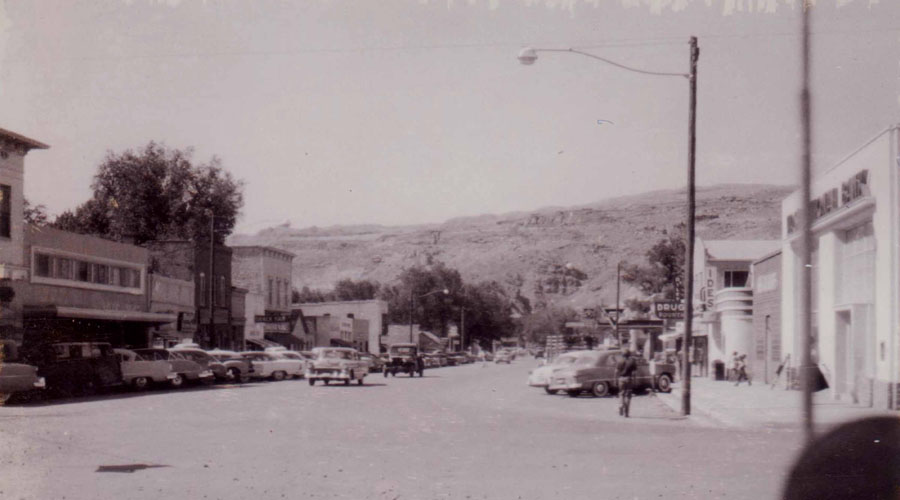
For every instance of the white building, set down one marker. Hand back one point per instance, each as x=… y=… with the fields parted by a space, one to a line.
x=855 y=273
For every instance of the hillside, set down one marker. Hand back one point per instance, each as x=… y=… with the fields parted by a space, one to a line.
x=528 y=251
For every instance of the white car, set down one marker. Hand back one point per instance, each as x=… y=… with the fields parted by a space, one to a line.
x=268 y=365
x=337 y=364
x=284 y=353
x=540 y=377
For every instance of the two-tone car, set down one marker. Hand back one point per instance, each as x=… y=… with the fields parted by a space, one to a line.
x=16 y=377
x=268 y=365
x=540 y=377
x=196 y=354
x=285 y=353
x=595 y=372
x=337 y=364
x=139 y=373
x=239 y=369
x=186 y=370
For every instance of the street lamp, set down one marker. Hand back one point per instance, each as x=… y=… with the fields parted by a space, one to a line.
x=412 y=306
x=529 y=55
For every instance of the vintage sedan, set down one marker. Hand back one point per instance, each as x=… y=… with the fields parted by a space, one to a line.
x=268 y=365
x=338 y=364
x=139 y=373
x=540 y=377
x=504 y=356
x=595 y=372
x=239 y=369
x=376 y=363
x=186 y=370
x=285 y=353
x=16 y=377
x=78 y=367
x=204 y=359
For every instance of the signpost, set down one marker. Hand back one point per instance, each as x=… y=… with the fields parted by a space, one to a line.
x=669 y=309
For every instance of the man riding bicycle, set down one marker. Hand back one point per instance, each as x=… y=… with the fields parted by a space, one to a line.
x=625 y=370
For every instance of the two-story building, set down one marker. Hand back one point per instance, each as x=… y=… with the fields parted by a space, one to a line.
x=82 y=287
x=13 y=264
x=266 y=274
x=723 y=294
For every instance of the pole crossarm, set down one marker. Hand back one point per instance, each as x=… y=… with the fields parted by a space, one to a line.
x=618 y=65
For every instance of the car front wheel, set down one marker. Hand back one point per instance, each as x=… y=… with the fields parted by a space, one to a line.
x=600 y=389
x=664 y=383
x=140 y=383
x=178 y=381
x=312 y=381
x=550 y=391
x=277 y=376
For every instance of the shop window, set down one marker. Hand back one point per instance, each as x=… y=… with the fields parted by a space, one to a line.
x=5 y=210
x=736 y=279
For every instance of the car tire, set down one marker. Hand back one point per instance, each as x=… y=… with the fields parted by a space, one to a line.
x=4 y=398
x=600 y=389
x=352 y=376
x=359 y=381
x=178 y=381
x=278 y=376
x=385 y=373
x=235 y=375
x=664 y=383
x=312 y=381
x=574 y=393
x=550 y=391
x=326 y=381
x=140 y=383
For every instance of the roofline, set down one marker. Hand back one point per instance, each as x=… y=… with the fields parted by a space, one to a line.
x=263 y=247
x=768 y=256
x=21 y=139
x=890 y=128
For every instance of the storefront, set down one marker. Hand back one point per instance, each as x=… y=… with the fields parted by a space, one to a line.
x=855 y=279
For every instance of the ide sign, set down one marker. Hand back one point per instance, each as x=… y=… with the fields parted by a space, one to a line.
x=669 y=309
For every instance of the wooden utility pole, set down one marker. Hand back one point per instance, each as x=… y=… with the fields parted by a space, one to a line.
x=689 y=243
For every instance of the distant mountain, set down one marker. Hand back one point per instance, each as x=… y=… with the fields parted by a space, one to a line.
x=528 y=251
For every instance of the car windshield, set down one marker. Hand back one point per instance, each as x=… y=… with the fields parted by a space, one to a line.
x=335 y=354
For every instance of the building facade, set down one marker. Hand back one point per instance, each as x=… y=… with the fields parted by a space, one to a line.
x=266 y=274
x=723 y=293
x=767 y=354
x=368 y=337
x=184 y=259
x=855 y=273
x=82 y=287
x=13 y=264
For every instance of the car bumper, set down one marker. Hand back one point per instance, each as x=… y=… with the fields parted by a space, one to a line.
x=206 y=374
x=40 y=383
x=565 y=385
x=328 y=375
x=171 y=376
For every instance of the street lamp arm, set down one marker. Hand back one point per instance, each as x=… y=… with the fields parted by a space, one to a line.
x=529 y=55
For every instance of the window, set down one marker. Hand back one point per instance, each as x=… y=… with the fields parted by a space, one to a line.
x=5 y=210
x=220 y=292
x=269 y=293
x=736 y=279
x=42 y=265
x=82 y=271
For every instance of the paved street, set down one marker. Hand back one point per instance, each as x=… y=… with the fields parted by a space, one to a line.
x=468 y=432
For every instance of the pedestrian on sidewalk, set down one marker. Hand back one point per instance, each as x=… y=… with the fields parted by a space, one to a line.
x=741 y=368
x=735 y=359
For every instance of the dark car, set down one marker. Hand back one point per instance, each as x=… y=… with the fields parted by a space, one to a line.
x=78 y=367
x=404 y=358
x=240 y=369
x=595 y=372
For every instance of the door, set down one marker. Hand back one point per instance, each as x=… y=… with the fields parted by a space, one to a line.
x=843 y=360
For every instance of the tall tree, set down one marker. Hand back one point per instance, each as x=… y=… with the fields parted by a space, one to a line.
x=35 y=215
x=664 y=271
x=157 y=192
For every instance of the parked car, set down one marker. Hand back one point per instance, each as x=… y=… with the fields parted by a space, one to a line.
x=503 y=356
x=78 y=367
x=405 y=358
x=186 y=370
x=595 y=372
x=139 y=373
x=540 y=377
x=239 y=368
x=457 y=358
x=204 y=359
x=268 y=365
x=283 y=352
x=376 y=363
x=439 y=358
x=16 y=377
x=339 y=364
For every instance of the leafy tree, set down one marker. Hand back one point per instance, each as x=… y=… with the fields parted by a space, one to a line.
x=488 y=312
x=664 y=271
x=546 y=320
x=424 y=284
x=35 y=215
x=347 y=289
x=156 y=193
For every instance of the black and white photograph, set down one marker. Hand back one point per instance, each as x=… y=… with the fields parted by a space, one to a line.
x=449 y=249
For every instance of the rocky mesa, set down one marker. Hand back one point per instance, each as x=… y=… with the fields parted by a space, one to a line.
x=528 y=252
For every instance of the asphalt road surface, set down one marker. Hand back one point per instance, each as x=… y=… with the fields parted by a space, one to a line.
x=468 y=432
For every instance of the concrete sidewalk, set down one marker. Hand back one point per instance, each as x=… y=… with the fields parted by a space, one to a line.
x=759 y=406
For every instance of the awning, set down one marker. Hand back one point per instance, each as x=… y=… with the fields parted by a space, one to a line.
x=263 y=343
x=98 y=314
x=340 y=343
x=283 y=339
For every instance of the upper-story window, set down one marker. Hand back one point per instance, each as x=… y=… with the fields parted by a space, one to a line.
x=59 y=269
x=5 y=210
x=736 y=279
x=220 y=291
x=269 y=294
x=204 y=291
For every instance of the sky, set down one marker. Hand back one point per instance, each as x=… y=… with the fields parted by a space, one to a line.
x=405 y=112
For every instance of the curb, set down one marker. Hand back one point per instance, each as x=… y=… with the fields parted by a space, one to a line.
x=698 y=416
